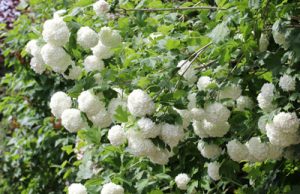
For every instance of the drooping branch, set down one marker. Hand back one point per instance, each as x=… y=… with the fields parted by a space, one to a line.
x=172 y=9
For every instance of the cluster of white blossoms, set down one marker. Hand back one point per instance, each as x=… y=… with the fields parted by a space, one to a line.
x=187 y=70
x=213 y=170
x=77 y=188
x=101 y=7
x=112 y=188
x=87 y=38
x=244 y=102
x=232 y=92
x=203 y=83
x=37 y=63
x=140 y=104
x=287 y=83
x=209 y=151
x=116 y=135
x=182 y=181
x=148 y=128
x=283 y=130
x=265 y=97
x=279 y=37
x=254 y=150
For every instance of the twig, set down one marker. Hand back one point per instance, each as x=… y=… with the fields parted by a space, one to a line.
x=172 y=9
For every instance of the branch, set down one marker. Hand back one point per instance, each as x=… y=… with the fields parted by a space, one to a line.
x=172 y=9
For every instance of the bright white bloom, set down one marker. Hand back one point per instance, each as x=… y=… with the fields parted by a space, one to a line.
x=102 y=119
x=199 y=130
x=172 y=134
x=159 y=156
x=89 y=103
x=286 y=122
x=74 y=73
x=182 y=181
x=139 y=103
x=265 y=97
x=244 y=102
x=287 y=83
x=263 y=42
x=192 y=97
x=77 y=188
x=56 y=57
x=258 y=150
x=37 y=65
x=71 y=119
x=93 y=63
x=56 y=32
x=213 y=170
x=102 y=52
x=186 y=117
x=59 y=102
x=217 y=112
x=139 y=146
x=217 y=129
x=101 y=7
x=267 y=89
x=86 y=37
x=236 y=150
x=203 y=82
x=209 y=151
x=110 y=38
x=33 y=48
x=262 y=122
x=111 y=188
x=116 y=135
x=148 y=128
x=276 y=137
x=198 y=114
x=233 y=92
x=187 y=70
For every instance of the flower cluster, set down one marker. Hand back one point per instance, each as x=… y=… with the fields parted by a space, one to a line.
x=265 y=97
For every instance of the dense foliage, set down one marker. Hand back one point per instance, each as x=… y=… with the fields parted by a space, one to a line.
x=152 y=97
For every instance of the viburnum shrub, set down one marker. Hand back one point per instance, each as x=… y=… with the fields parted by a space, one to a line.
x=177 y=97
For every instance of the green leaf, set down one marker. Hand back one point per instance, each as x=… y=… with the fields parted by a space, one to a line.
x=121 y=115
x=68 y=149
x=172 y=44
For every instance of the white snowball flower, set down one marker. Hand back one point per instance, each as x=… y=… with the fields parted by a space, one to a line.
x=56 y=57
x=74 y=73
x=86 y=37
x=116 y=135
x=199 y=130
x=217 y=129
x=286 y=122
x=182 y=181
x=37 y=65
x=213 y=170
x=209 y=151
x=287 y=83
x=187 y=70
x=217 y=112
x=102 y=119
x=56 y=32
x=244 y=102
x=102 y=52
x=71 y=119
x=33 y=48
x=111 y=188
x=101 y=7
x=89 y=103
x=262 y=122
x=59 y=102
x=236 y=150
x=192 y=98
x=139 y=146
x=186 y=117
x=279 y=37
x=265 y=102
x=159 y=156
x=148 y=128
x=267 y=89
x=139 y=103
x=77 y=188
x=172 y=134
x=110 y=38
x=203 y=82
x=198 y=114
x=93 y=63
x=258 y=150
x=263 y=42
x=233 y=92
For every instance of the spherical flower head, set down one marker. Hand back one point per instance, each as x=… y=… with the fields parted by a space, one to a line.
x=102 y=119
x=102 y=52
x=199 y=130
x=236 y=150
x=276 y=137
x=267 y=90
x=101 y=7
x=71 y=119
x=56 y=32
x=232 y=92
x=203 y=82
x=286 y=122
x=265 y=102
x=257 y=149
x=244 y=102
x=59 y=102
x=56 y=57
x=116 y=135
x=139 y=146
x=216 y=129
x=87 y=38
x=159 y=156
x=140 y=104
x=263 y=42
x=148 y=128
x=213 y=170
x=187 y=71
x=74 y=73
x=198 y=114
x=209 y=151
x=192 y=98
x=110 y=38
x=33 y=48
x=217 y=112
x=279 y=38
x=182 y=181
x=89 y=103
x=93 y=63
x=172 y=134
x=37 y=65
x=111 y=188
x=287 y=83
x=77 y=188
x=186 y=117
